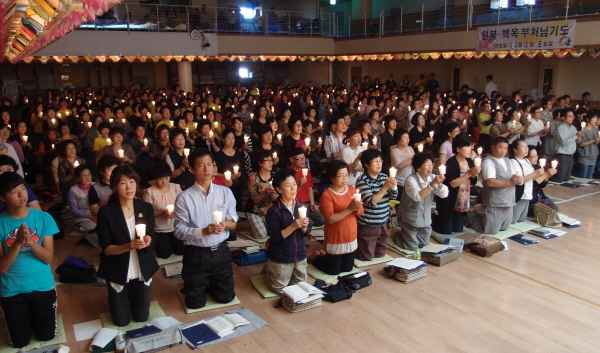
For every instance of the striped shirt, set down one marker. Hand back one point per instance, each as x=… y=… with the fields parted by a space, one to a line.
x=376 y=214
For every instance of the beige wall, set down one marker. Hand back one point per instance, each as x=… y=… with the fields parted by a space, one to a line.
x=317 y=72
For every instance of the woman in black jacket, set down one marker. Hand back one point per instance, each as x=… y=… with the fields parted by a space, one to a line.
x=461 y=174
x=127 y=262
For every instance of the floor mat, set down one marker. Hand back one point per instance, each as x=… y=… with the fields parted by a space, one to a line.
x=210 y=303
x=76 y=233
x=248 y=235
x=375 y=261
x=155 y=312
x=505 y=233
x=259 y=283
x=169 y=260
x=318 y=274
x=398 y=250
x=525 y=226
x=34 y=343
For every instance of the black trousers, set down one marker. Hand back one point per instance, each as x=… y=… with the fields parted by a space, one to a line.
x=167 y=244
x=132 y=302
x=30 y=312
x=335 y=264
x=563 y=171
x=449 y=225
x=207 y=272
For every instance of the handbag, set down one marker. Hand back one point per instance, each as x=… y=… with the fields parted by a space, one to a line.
x=243 y=259
x=546 y=216
x=354 y=282
x=485 y=245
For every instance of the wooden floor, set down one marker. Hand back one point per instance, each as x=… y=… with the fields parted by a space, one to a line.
x=536 y=298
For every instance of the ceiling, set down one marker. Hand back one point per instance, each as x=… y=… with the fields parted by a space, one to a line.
x=29 y=25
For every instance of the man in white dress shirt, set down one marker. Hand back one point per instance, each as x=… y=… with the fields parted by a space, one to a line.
x=490 y=86
x=206 y=265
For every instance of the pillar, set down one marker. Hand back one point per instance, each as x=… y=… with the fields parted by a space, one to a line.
x=184 y=71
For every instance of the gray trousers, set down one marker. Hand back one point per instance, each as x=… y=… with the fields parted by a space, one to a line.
x=520 y=211
x=492 y=221
x=411 y=238
x=317 y=218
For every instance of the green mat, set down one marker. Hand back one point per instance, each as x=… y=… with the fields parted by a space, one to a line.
x=76 y=233
x=318 y=274
x=259 y=283
x=169 y=260
x=34 y=343
x=398 y=250
x=248 y=235
x=210 y=303
x=503 y=234
x=525 y=226
x=155 y=312
x=375 y=261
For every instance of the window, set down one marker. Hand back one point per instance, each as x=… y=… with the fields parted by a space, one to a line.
x=243 y=73
x=501 y=4
x=525 y=2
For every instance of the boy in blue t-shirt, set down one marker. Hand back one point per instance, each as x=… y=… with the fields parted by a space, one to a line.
x=27 y=292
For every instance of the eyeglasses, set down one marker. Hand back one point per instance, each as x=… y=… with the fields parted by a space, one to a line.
x=344 y=176
x=378 y=161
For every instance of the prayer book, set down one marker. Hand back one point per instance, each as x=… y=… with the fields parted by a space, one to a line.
x=300 y=291
x=199 y=334
x=221 y=325
x=174 y=269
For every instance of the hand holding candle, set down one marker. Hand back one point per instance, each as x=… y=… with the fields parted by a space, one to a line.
x=274 y=155
x=76 y=164
x=393 y=172
x=186 y=152
x=554 y=164
x=304 y=172
x=357 y=196
x=25 y=138
x=320 y=140
x=477 y=162
x=442 y=169
x=121 y=153
x=583 y=124
x=217 y=216
x=170 y=209
x=307 y=141
x=302 y=212
x=227 y=175
x=145 y=142
x=374 y=141
x=140 y=230
x=431 y=134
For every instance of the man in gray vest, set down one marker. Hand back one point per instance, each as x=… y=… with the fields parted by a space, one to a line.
x=499 y=180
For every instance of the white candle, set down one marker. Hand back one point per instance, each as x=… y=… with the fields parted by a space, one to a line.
x=357 y=196
x=442 y=169
x=393 y=172
x=289 y=104
x=170 y=209
x=236 y=169
x=274 y=155
x=58 y=114
x=153 y=102
x=548 y=125
x=374 y=141
x=426 y=106
x=121 y=153
x=465 y=122
x=89 y=124
x=365 y=145
x=108 y=142
x=53 y=121
x=542 y=162
x=187 y=131
x=145 y=142
x=216 y=124
x=90 y=111
x=217 y=216
x=583 y=124
x=431 y=134
x=25 y=138
x=554 y=164
x=529 y=118
x=477 y=162
x=251 y=116
x=110 y=120
x=388 y=110
x=518 y=172
x=210 y=134
x=420 y=148
x=279 y=136
x=304 y=172
x=302 y=212
x=320 y=140
x=76 y=164
x=140 y=230
x=321 y=123
x=52 y=146
x=246 y=138
x=479 y=150
x=186 y=152
x=307 y=141
x=227 y=175
x=195 y=126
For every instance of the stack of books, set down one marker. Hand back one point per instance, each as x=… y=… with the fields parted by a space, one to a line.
x=251 y=249
x=547 y=233
x=302 y=293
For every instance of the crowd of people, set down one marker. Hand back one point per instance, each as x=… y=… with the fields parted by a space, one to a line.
x=171 y=172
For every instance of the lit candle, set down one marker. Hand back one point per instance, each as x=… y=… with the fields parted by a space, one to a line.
x=145 y=142
x=321 y=123
x=90 y=111
x=441 y=110
x=547 y=125
x=431 y=134
x=176 y=104
x=195 y=126
x=274 y=155
x=518 y=172
x=108 y=142
x=388 y=110
x=307 y=141
x=583 y=124
x=186 y=152
x=210 y=134
x=302 y=212
x=514 y=123
x=477 y=162
x=465 y=122
x=529 y=118
x=304 y=172
x=110 y=120
x=52 y=146
x=217 y=216
x=470 y=111
x=89 y=124
x=254 y=101
x=479 y=150
x=365 y=145
x=251 y=116
x=420 y=148
x=246 y=138
x=279 y=136
x=140 y=230
x=393 y=172
x=121 y=153
x=170 y=209
x=236 y=169
x=215 y=125
x=426 y=106
x=53 y=121
x=357 y=195
x=58 y=114
x=542 y=162
x=153 y=102
x=76 y=164
x=272 y=109
x=25 y=138
x=442 y=169
x=90 y=102
x=374 y=141
x=67 y=112
x=289 y=104
x=311 y=102
x=320 y=140
x=227 y=175
x=554 y=164
x=187 y=132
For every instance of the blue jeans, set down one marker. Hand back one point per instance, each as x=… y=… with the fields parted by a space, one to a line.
x=586 y=171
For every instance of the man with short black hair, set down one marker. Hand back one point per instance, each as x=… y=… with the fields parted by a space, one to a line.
x=490 y=86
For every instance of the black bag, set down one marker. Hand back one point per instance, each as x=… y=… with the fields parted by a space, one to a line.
x=74 y=274
x=334 y=292
x=356 y=283
x=59 y=224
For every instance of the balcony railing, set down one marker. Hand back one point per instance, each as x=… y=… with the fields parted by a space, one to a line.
x=436 y=15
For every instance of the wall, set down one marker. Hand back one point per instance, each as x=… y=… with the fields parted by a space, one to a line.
x=578 y=75
x=318 y=72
